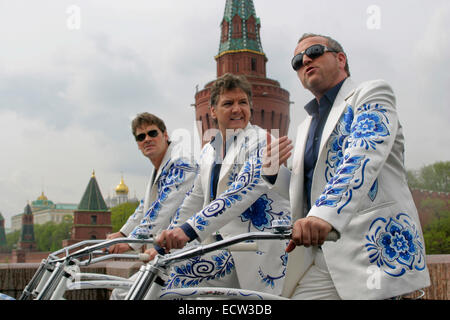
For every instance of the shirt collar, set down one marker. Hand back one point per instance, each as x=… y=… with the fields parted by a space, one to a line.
x=326 y=101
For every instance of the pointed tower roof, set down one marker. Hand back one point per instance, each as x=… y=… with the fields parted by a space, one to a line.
x=27 y=233
x=240 y=28
x=92 y=199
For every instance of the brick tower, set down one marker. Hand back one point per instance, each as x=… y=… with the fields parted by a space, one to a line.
x=27 y=241
x=91 y=220
x=240 y=52
x=3 y=243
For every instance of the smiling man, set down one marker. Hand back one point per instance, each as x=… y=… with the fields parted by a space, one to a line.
x=229 y=198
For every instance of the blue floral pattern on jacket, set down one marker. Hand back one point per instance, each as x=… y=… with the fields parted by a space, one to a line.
x=170 y=179
x=395 y=245
x=260 y=214
x=199 y=269
x=344 y=168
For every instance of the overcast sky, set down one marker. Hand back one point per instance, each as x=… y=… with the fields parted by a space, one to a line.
x=74 y=73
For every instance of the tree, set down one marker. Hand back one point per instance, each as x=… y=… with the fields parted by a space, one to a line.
x=49 y=236
x=120 y=214
x=437 y=234
x=435 y=177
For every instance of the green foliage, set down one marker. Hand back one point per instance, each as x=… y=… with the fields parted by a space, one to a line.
x=435 y=177
x=11 y=239
x=120 y=214
x=49 y=236
x=437 y=234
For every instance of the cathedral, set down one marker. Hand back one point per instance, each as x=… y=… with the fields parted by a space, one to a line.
x=121 y=195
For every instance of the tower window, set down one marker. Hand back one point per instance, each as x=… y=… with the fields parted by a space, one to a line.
x=253 y=64
x=93 y=219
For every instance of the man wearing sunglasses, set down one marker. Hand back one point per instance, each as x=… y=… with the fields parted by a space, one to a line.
x=172 y=178
x=347 y=175
x=229 y=198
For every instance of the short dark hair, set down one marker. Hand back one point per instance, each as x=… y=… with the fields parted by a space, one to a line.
x=148 y=119
x=229 y=82
x=331 y=43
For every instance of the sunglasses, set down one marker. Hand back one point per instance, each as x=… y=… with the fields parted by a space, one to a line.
x=152 y=134
x=313 y=52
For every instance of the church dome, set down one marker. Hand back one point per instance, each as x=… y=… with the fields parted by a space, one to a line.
x=122 y=187
x=42 y=197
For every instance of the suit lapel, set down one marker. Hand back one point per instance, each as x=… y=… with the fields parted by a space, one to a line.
x=207 y=161
x=233 y=152
x=338 y=107
x=296 y=185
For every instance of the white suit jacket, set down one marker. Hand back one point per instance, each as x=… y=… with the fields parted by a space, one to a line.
x=243 y=204
x=172 y=181
x=359 y=186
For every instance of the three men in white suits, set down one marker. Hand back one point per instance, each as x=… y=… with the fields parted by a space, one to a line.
x=230 y=198
x=348 y=174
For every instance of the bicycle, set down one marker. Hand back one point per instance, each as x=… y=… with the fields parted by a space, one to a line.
x=49 y=281
x=57 y=275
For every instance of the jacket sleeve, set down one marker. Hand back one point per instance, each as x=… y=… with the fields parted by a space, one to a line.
x=240 y=195
x=357 y=151
x=176 y=180
x=134 y=219
x=192 y=203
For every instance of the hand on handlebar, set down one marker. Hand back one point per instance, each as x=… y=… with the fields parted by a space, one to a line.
x=309 y=231
x=172 y=239
x=120 y=247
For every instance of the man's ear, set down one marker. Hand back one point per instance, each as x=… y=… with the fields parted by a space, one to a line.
x=342 y=58
x=212 y=110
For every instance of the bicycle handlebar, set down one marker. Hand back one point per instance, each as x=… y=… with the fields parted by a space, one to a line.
x=103 y=244
x=197 y=250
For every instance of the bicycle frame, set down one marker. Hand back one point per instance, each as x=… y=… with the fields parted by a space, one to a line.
x=149 y=283
x=49 y=280
x=57 y=275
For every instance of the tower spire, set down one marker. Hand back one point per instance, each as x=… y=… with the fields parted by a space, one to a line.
x=241 y=53
x=240 y=49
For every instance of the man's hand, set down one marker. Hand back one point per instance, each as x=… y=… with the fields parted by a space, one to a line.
x=275 y=154
x=172 y=239
x=152 y=253
x=120 y=247
x=309 y=231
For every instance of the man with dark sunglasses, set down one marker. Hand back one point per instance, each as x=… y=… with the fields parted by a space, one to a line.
x=172 y=178
x=348 y=175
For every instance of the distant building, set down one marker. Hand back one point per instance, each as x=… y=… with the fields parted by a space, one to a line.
x=3 y=243
x=44 y=211
x=27 y=241
x=92 y=219
x=121 y=195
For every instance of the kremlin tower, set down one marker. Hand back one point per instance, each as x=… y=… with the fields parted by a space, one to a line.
x=92 y=219
x=240 y=52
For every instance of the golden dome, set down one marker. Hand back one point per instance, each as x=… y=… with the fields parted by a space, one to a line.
x=42 y=197
x=122 y=187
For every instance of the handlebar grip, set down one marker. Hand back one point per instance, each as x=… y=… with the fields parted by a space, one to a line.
x=144 y=257
x=333 y=235
x=246 y=246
